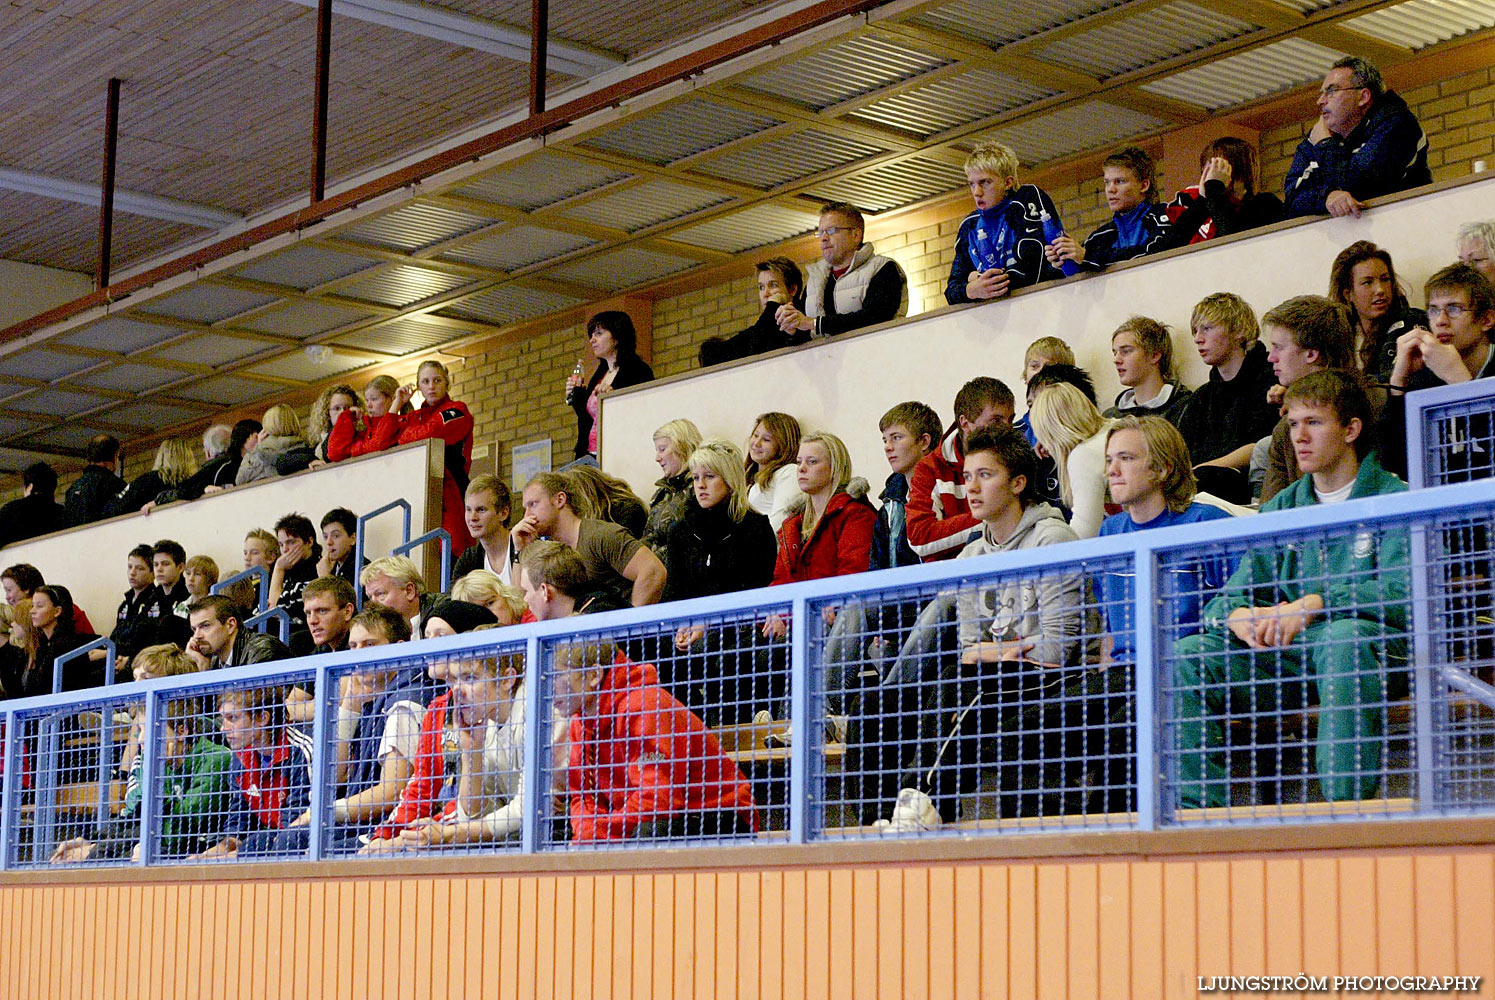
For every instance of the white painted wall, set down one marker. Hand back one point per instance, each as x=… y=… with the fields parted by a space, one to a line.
x=90 y=561
x=846 y=384
x=31 y=289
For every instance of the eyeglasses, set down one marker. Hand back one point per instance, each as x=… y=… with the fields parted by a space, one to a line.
x=1474 y=261
x=832 y=231
x=1451 y=311
x=1333 y=89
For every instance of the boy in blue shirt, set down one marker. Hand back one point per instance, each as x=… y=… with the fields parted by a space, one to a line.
x=1001 y=244
x=1138 y=224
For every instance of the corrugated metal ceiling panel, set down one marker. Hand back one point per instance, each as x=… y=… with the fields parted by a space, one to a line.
x=892 y=185
x=953 y=101
x=128 y=377
x=508 y=303
x=54 y=402
x=645 y=205
x=786 y=158
x=1075 y=128
x=304 y=266
x=68 y=437
x=1237 y=79
x=213 y=350
x=540 y=180
x=10 y=426
x=301 y=318
x=403 y=285
x=1130 y=43
x=225 y=390
x=986 y=22
x=297 y=365
x=9 y=388
x=403 y=336
x=753 y=227
x=678 y=130
x=204 y=303
x=413 y=226
x=119 y=333
x=1420 y=23
x=516 y=247
x=839 y=72
x=41 y=363
x=622 y=268
x=149 y=416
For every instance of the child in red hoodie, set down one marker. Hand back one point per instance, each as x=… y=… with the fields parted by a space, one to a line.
x=642 y=765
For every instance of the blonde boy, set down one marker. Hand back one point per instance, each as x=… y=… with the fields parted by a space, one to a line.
x=1001 y=244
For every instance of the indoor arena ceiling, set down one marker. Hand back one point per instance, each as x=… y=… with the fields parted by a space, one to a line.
x=876 y=109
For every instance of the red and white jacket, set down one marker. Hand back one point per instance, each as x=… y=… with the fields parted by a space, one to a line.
x=939 y=521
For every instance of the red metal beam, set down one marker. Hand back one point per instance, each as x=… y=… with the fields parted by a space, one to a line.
x=319 y=113
x=532 y=127
x=106 y=203
x=539 y=30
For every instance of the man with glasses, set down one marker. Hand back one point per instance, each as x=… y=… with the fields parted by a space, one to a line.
x=1366 y=143
x=1476 y=244
x=849 y=287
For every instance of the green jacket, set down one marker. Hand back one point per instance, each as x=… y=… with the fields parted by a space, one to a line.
x=1364 y=573
x=193 y=806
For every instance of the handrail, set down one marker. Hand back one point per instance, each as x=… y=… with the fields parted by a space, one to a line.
x=102 y=642
x=434 y=534
x=1388 y=512
x=359 y=535
x=262 y=587
x=273 y=614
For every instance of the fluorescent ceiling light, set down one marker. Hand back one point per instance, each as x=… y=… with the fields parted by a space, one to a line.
x=471 y=33
x=134 y=202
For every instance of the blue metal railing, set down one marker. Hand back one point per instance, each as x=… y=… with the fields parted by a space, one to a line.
x=102 y=642
x=1451 y=433
x=404 y=507
x=434 y=535
x=280 y=616
x=261 y=577
x=1426 y=510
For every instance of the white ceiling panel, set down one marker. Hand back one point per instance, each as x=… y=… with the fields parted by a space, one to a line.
x=1079 y=127
x=517 y=247
x=622 y=268
x=415 y=226
x=402 y=336
x=832 y=74
x=402 y=285
x=304 y=266
x=207 y=303
x=11 y=425
x=541 y=180
x=150 y=416
x=509 y=303
x=893 y=185
x=213 y=349
x=753 y=227
x=986 y=22
x=56 y=402
x=951 y=101
x=675 y=131
x=66 y=437
x=302 y=367
x=1420 y=23
x=303 y=318
x=645 y=205
x=786 y=158
x=44 y=364
x=1247 y=76
x=225 y=390
x=121 y=334
x=128 y=377
x=1129 y=43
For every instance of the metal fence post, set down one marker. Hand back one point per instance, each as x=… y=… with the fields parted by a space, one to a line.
x=1424 y=674
x=537 y=797
x=325 y=695
x=800 y=751
x=11 y=807
x=1145 y=679
x=150 y=768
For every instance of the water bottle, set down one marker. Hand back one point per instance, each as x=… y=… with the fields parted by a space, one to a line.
x=572 y=390
x=1051 y=232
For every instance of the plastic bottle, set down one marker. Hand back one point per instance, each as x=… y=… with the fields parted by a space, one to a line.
x=572 y=390
x=1051 y=232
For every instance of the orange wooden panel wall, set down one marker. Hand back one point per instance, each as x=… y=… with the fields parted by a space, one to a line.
x=1072 y=928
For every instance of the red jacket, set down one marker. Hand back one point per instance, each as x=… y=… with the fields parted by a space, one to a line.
x=840 y=543
x=452 y=422
x=346 y=441
x=420 y=798
x=641 y=755
x=938 y=520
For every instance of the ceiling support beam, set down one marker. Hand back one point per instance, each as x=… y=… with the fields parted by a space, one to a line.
x=470 y=33
x=106 y=185
x=132 y=202
x=539 y=32
x=319 y=110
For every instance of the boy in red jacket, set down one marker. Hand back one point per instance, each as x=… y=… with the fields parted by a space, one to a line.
x=642 y=765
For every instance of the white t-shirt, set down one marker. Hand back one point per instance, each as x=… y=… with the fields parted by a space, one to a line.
x=776 y=501
x=1334 y=496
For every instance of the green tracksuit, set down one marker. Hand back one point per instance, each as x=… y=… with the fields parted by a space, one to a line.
x=1363 y=578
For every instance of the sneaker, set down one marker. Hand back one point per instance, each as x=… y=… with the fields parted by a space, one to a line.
x=914 y=811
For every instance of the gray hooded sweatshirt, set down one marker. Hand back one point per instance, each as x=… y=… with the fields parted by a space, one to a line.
x=1045 y=608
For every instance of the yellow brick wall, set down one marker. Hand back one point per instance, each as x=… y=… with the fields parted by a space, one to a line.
x=1457 y=114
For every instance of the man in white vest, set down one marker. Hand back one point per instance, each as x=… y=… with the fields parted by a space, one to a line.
x=849 y=287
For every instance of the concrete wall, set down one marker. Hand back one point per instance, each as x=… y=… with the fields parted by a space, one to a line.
x=90 y=561
x=845 y=384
